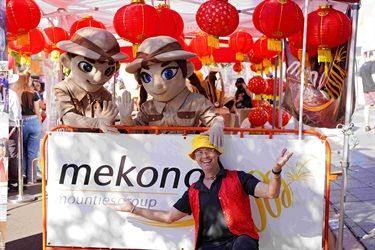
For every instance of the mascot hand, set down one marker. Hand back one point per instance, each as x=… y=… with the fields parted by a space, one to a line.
x=216 y=133
x=105 y=126
x=108 y=112
x=125 y=104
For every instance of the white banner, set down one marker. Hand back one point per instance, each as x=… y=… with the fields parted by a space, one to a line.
x=86 y=171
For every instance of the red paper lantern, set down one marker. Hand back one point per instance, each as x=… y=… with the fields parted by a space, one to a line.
x=86 y=21
x=35 y=46
x=257 y=85
x=171 y=23
x=237 y=67
x=197 y=63
x=240 y=42
x=257 y=61
x=285 y=117
x=53 y=35
x=22 y=16
x=135 y=22
x=327 y=28
x=217 y=18
x=258 y=117
x=269 y=91
x=261 y=51
x=199 y=46
x=277 y=19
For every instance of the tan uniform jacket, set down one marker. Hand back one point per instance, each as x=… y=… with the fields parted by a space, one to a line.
x=75 y=106
x=187 y=109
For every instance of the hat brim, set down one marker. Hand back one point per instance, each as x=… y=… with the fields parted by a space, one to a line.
x=165 y=57
x=80 y=50
x=192 y=155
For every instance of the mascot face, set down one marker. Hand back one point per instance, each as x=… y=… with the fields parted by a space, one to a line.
x=163 y=81
x=89 y=74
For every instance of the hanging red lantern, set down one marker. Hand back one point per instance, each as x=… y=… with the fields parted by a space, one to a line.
x=135 y=22
x=270 y=89
x=257 y=85
x=21 y=17
x=35 y=46
x=237 y=67
x=258 y=117
x=217 y=18
x=261 y=51
x=86 y=21
x=199 y=46
x=240 y=42
x=257 y=61
x=171 y=23
x=53 y=35
x=327 y=28
x=285 y=118
x=277 y=19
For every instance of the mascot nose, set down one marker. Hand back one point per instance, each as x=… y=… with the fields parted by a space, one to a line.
x=98 y=76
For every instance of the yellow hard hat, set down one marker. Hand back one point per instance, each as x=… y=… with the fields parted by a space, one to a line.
x=202 y=141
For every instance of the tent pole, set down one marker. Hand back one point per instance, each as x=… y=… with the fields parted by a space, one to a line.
x=303 y=70
x=349 y=106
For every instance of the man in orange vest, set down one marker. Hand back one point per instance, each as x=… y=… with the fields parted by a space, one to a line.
x=219 y=201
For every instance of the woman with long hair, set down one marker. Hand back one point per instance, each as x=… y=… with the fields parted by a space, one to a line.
x=31 y=123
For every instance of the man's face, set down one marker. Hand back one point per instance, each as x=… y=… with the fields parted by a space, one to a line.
x=163 y=81
x=90 y=76
x=207 y=158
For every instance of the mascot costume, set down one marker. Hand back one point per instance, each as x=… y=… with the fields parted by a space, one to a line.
x=161 y=68
x=93 y=56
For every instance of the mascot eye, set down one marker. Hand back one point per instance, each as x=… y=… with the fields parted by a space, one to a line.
x=145 y=77
x=85 y=66
x=169 y=73
x=109 y=71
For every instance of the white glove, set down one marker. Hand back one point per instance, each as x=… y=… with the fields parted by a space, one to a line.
x=108 y=112
x=216 y=133
x=105 y=126
x=125 y=104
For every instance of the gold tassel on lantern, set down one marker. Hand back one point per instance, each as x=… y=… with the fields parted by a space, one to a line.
x=239 y=56
x=307 y=59
x=325 y=56
x=55 y=55
x=274 y=44
x=135 y=48
x=213 y=42
x=23 y=39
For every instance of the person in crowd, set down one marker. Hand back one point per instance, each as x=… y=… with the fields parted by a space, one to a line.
x=219 y=200
x=243 y=96
x=161 y=69
x=31 y=124
x=93 y=56
x=3 y=86
x=367 y=73
x=38 y=90
x=15 y=113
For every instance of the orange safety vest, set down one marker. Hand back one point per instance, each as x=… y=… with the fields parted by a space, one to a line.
x=234 y=201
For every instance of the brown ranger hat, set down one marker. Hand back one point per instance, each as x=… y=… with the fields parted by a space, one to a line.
x=158 y=49
x=94 y=43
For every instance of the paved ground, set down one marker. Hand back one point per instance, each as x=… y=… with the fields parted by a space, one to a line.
x=24 y=227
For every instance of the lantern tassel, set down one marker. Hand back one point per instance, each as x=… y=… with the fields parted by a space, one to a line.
x=258 y=97
x=213 y=42
x=23 y=39
x=324 y=55
x=239 y=56
x=274 y=44
x=55 y=55
x=266 y=63
x=135 y=49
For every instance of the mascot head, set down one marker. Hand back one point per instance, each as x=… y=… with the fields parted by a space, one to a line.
x=160 y=67
x=93 y=57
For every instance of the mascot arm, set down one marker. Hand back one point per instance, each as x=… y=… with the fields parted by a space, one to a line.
x=75 y=120
x=211 y=118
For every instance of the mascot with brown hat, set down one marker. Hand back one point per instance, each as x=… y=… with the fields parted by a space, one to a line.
x=93 y=56
x=161 y=68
